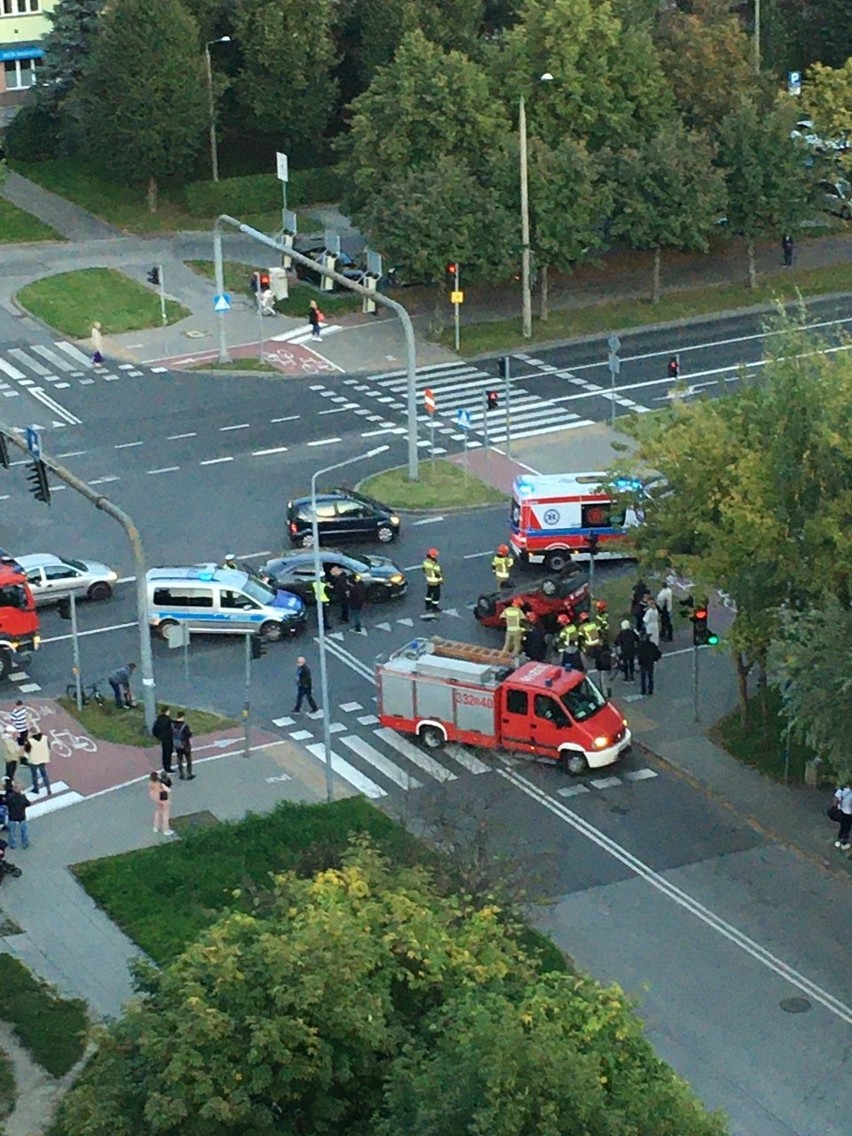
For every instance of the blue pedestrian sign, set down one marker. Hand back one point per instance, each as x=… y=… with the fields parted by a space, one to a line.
x=463 y=419
x=34 y=442
x=222 y=303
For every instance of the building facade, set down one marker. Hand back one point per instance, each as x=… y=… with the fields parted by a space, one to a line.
x=22 y=25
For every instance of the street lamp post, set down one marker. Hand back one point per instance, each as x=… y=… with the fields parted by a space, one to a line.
x=326 y=721
x=214 y=151
x=526 y=297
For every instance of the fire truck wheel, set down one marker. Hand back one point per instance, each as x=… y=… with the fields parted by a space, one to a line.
x=558 y=560
x=574 y=762
x=431 y=737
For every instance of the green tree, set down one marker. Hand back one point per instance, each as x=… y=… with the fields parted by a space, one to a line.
x=143 y=100
x=287 y=82
x=766 y=181
x=827 y=96
x=380 y=28
x=67 y=46
x=808 y=663
x=668 y=195
x=323 y=1011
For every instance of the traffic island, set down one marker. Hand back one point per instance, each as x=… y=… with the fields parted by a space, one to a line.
x=442 y=485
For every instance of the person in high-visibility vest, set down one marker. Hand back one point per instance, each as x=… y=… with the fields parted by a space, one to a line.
x=434 y=580
x=515 y=622
x=322 y=595
x=602 y=618
x=501 y=565
x=590 y=635
x=565 y=639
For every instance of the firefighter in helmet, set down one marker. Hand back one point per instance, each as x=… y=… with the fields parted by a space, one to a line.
x=590 y=634
x=501 y=565
x=434 y=580
x=515 y=620
x=602 y=618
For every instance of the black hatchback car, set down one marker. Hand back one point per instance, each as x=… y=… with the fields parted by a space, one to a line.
x=342 y=514
x=294 y=572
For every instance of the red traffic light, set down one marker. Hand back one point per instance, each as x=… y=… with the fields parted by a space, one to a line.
x=700 y=613
x=452 y=268
x=492 y=399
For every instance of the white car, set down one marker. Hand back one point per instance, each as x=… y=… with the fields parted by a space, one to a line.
x=52 y=578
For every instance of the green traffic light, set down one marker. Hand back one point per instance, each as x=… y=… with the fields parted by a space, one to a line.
x=712 y=639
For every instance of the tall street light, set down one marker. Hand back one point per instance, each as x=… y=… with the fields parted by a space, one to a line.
x=526 y=310
x=326 y=720
x=214 y=152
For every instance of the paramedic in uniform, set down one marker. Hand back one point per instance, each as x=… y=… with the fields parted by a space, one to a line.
x=501 y=565
x=434 y=580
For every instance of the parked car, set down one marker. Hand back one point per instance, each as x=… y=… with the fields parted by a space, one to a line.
x=345 y=264
x=51 y=578
x=550 y=598
x=294 y=571
x=342 y=514
x=834 y=197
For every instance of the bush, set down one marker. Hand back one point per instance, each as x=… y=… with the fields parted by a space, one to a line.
x=34 y=134
x=260 y=193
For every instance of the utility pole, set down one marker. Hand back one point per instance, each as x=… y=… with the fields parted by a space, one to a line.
x=526 y=295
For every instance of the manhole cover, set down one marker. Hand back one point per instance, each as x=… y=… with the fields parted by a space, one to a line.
x=795 y=1005
x=204 y=819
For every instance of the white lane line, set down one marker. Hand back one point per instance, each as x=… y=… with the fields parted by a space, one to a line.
x=324 y=442
x=272 y=450
x=466 y=760
x=28 y=362
x=52 y=358
x=215 y=461
x=253 y=555
x=165 y=469
x=8 y=369
x=177 y=437
x=127 y=445
x=426 y=521
x=103 y=480
x=289 y=418
x=477 y=555
x=73 y=454
x=683 y=900
x=236 y=426
x=54 y=406
x=74 y=352
x=93 y=631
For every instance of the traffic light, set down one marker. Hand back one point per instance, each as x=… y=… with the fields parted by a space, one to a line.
x=258 y=646
x=64 y=607
x=593 y=539
x=4 y=451
x=702 y=636
x=37 y=477
x=492 y=399
x=452 y=273
x=154 y=275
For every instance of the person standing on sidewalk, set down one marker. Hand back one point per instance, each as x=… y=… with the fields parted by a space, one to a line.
x=664 y=607
x=97 y=343
x=434 y=580
x=357 y=599
x=843 y=816
x=22 y=722
x=162 y=731
x=182 y=740
x=17 y=805
x=647 y=653
x=315 y=319
x=38 y=758
x=160 y=792
x=304 y=686
x=626 y=642
x=787 y=250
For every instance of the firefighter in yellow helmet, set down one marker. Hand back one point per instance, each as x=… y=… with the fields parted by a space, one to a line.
x=434 y=580
x=501 y=565
x=515 y=621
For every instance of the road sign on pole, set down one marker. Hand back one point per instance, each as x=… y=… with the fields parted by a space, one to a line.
x=429 y=400
x=34 y=442
x=222 y=302
x=613 y=342
x=463 y=419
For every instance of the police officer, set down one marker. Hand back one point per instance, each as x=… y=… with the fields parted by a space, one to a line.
x=501 y=565
x=322 y=595
x=590 y=635
x=514 y=619
x=434 y=580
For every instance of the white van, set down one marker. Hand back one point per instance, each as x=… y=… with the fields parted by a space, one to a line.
x=221 y=601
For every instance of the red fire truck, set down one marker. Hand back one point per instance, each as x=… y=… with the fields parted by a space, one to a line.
x=443 y=692
x=19 y=627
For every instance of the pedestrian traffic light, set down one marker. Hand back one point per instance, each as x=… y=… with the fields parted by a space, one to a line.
x=702 y=636
x=452 y=273
x=492 y=399
x=37 y=477
x=154 y=275
x=4 y=451
x=593 y=540
x=503 y=367
x=64 y=607
x=258 y=646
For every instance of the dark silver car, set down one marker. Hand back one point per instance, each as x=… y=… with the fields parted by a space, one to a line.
x=834 y=197
x=52 y=578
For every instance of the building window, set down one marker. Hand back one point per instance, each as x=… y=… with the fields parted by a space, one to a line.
x=18 y=7
x=20 y=74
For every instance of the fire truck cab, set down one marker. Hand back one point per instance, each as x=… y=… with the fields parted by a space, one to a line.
x=19 y=625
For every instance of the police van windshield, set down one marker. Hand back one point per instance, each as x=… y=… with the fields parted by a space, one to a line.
x=583 y=700
x=257 y=591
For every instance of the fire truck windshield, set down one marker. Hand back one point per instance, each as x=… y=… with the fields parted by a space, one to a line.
x=13 y=595
x=583 y=700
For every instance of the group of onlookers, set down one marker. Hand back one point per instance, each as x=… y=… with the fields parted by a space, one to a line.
x=175 y=738
x=24 y=744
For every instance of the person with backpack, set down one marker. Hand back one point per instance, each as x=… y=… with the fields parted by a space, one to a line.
x=182 y=740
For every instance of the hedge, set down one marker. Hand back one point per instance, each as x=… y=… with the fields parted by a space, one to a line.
x=261 y=193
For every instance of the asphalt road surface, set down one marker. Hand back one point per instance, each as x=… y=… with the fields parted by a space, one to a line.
x=736 y=949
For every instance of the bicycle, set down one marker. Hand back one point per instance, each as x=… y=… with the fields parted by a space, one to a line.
x=90 y=693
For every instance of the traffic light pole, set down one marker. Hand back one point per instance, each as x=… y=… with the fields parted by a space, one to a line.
x=350 y=285
x=146 y=659
x=696 y=715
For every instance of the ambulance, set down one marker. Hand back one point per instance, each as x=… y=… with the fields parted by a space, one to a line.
x=554 y=515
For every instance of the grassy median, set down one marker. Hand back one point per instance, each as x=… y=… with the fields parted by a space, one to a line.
x=442 y=485
x=127 y=727
x=53 y=1029
x=18 y=226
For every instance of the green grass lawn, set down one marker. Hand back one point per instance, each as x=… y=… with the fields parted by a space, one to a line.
x=481 y=338
x=127 y=727
x=16 y=225
x=163 y=897
x=762 y=744
x=8 y=1088
x=238 y=275
x=248 y=363
x=442 y=485
x=53 y=1029
x=70 y=302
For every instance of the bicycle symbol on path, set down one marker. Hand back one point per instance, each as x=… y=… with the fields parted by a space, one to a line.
x=63 y=743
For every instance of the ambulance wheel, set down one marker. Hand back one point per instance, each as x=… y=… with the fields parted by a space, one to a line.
x=574 y=763
x=431 y=737
x=558 y=560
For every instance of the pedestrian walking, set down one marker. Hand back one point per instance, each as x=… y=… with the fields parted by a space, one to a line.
x=357 y=599
x=17 y=805
x=535 y=639
x=637 y=603
x=627 y=642
x=651 y=622
x=97 y=343
x=647 y=654
x=664 y=603
x=514 y=619
x=340 y=591
x=162 y=731
x=22 y=721
x=182 y=740
x=434 y=579
x=119 y=680
x=37 y=750
x=673 y=368
x=841 y=812
x=304 y=686
x=787 y=250
x=501 y=565
x=603 y=665
x=315 y=318
x=11 y=752
x=160 y=792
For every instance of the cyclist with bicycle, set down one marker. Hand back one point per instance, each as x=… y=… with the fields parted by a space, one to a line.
x=119 y=680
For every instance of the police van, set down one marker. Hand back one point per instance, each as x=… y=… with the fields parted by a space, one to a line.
x=215 y=600
x=554 y=516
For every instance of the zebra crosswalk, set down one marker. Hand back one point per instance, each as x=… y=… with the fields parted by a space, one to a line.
x=459 y=386
x=36 y=368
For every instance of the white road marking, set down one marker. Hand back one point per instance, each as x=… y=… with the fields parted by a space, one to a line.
x=236 y=426
x=93 y=631
x=73 y=454
x=477 y=555
x=127 y=445
x=53 y=406
x=414 y=755
x=324 y=442
x=378 y=760
x=177 y=437
x=215 y=461
x=289 y=418
x=426 y=521
x=348 y=772
x=272 y=450
x=165 y=469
